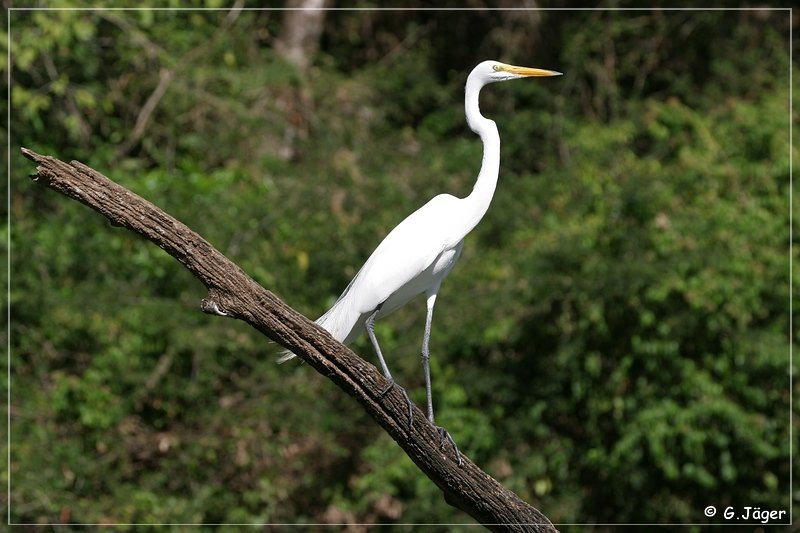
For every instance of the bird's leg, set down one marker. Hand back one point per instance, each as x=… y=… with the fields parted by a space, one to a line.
x=426 y=368
x=426 y=356
x=370 y=326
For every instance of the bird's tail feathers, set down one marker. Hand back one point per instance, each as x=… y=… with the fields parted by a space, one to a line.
x=284 y=356
x=340 y=321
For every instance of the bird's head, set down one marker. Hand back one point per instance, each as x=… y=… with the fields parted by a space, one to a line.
x=493 y=71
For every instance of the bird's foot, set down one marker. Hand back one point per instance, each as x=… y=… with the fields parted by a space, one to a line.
x=392 y=385
x=445 y=436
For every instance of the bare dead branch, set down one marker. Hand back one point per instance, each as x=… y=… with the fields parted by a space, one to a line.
x=232 y=293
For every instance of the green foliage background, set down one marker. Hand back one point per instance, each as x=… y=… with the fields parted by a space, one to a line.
x=613 y=345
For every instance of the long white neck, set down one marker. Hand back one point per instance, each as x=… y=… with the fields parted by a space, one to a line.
x=477 y=203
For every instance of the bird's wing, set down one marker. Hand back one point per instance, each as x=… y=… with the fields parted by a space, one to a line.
x=407 y=251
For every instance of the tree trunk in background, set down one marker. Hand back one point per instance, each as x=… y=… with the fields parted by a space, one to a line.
x=297 y=43
x=301 y=30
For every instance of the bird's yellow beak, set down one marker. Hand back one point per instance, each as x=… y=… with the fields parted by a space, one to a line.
x=527 y=71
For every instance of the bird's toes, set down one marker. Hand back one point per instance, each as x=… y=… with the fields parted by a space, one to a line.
x=409 y=403
x=388 y=387
x=444 y=436
x=410 y=408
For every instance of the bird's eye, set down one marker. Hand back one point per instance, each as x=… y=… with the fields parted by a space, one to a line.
x=496 y=67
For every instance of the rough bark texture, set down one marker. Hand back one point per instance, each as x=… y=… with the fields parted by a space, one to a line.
x=232 y=293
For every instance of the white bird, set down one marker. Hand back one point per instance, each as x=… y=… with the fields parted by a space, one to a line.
x=417 y=255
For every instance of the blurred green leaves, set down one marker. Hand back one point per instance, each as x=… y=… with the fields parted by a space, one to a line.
x=612 y=346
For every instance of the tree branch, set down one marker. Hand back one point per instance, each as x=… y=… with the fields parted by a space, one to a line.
x=165 y=77
x=232 y=293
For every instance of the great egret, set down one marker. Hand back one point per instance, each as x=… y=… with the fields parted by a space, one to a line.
x=418 y=254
